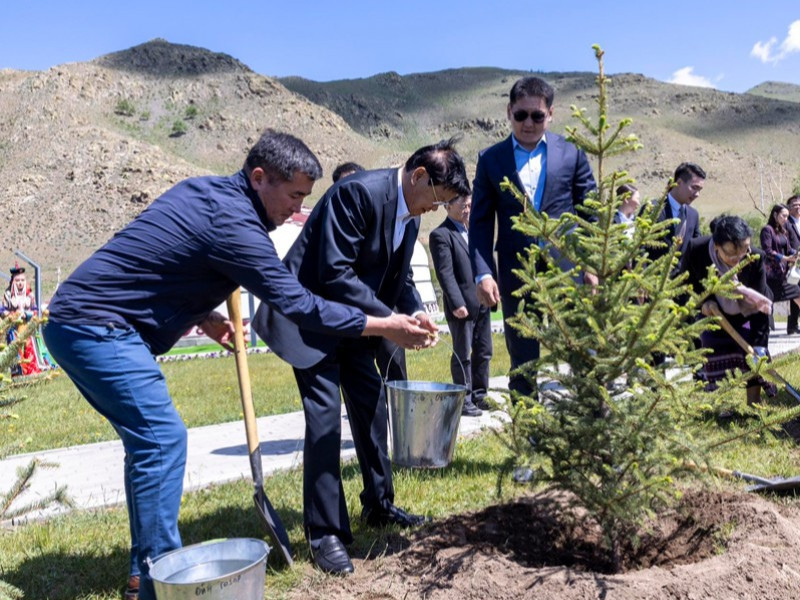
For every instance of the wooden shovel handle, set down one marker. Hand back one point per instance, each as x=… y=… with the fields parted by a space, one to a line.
x=729 y=329
x=234 y=304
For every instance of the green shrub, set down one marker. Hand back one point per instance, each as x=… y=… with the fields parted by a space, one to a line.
x=125 y=108
x=178 y=128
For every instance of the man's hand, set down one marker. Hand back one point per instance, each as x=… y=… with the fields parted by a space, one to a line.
x=461 y=312
x=433 y=331
x=219 y=329
x=708 y=308
x=403 y=330
x=592 y=280
x=488 y=293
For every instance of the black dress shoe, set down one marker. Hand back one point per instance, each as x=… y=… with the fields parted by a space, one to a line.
x=380 y=517
x=331 y=556
x=482 y=404
x=792 y=331
x=470 y=410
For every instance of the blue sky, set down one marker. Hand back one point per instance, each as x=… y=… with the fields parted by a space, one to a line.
x=731 y=45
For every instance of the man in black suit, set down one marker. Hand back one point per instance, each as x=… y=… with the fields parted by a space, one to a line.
x=689 y=180
x=356 y=246
x=390 y=358
x=554 y=175
x=469 y=322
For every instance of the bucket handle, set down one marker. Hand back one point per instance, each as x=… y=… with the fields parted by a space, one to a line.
x=397 y=347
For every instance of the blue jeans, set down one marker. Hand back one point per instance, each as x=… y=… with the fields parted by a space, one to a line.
x=115 y=371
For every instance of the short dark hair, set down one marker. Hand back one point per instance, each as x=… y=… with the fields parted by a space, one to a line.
x=729 y=228
x=792 y=198
x=687 y=170
x=772 y=221
x=346 y=169
x=281 y=155
x=443 y=164
x=626 y=188
x=529 y=87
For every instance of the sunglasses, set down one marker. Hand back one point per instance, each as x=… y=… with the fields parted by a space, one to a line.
x=537 y=116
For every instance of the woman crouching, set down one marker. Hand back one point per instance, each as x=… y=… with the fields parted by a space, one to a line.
x=725 y=248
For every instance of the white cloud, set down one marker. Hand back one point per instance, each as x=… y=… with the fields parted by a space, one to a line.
x=764 y=50
x=685 y=76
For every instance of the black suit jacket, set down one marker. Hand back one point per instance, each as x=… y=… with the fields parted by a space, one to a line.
x=450 y=254
x=793 y=233
x=568 y=178
x=345 y=252
x=692 y=229
x=697 y=260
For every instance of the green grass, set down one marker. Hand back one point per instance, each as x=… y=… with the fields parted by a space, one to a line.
x=205 y=392
x=83 y=555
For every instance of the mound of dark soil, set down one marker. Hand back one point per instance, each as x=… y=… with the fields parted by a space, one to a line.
x=712 y=545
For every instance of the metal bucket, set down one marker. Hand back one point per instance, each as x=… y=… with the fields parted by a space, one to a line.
x=423 y=422
x=232 y=569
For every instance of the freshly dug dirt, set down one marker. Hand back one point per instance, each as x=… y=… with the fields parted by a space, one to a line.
x=712 y=545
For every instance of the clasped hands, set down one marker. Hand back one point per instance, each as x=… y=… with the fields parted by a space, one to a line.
x=413 y=333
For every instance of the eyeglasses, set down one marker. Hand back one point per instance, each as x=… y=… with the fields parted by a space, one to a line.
x=436 y=201
x=537 y=116
x=737 y=254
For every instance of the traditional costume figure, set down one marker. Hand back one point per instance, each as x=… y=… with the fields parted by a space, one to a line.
x=18 y=302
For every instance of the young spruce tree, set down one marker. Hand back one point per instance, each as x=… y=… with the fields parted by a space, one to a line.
x=616 y=451
x=9 y=390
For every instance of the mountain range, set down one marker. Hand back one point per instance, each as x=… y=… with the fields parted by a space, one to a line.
x=84 y=147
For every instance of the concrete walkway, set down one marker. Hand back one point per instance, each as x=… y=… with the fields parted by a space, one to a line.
x=216 y=453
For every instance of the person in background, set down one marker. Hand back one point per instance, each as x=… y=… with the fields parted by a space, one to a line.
x=18 y=302
x=793 y=232
x=356 y=248
x=390 y=358
x=554 y=175
x=780 y=257
x=724 y=249
x=689 y=180
x=469 y=322
x=163 y=273
x=630 y=205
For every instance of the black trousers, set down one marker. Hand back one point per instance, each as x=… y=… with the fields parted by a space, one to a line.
x=472 y=346
x=391 y=361
x=520 y=350
x=350 y=368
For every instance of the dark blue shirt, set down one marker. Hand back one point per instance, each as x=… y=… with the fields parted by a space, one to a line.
x=182 y=257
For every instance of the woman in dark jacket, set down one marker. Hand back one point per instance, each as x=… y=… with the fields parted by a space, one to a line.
x=725 y=248
x=780 y=258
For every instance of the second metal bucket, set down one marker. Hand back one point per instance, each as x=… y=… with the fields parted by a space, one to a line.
x=229 y=569
x=423 y=422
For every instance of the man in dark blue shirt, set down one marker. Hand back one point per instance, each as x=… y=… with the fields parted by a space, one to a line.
x=165 y=272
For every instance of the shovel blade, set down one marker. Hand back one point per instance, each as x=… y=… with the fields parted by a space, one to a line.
x=272 y=522
x=789 y=387
x=777 y=485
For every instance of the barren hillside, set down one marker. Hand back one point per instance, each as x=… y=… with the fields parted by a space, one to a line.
x=84 y=147
x=735 y=137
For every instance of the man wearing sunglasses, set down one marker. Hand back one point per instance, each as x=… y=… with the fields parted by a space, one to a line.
x=554 y=175
x=356 y=246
